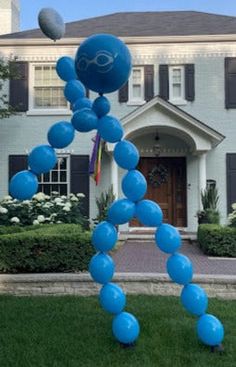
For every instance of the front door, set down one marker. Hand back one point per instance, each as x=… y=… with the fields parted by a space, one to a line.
x=166 y=178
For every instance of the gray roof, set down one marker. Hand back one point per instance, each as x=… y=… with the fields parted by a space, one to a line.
x=171 y=23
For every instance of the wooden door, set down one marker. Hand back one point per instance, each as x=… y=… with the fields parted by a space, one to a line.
x=166 y=178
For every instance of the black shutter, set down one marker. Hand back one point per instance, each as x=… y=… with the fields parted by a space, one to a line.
x=230 y=82
x=19 y=90
x=148 y=82
x=164 y=81
x=80 y=178
x=16 y=163
x=231 y=179
x=124 y=93
x=189 y=82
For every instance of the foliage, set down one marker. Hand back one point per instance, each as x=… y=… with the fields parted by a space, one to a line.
x=42 y=209
x=74 y=331
x=103 y=202
x=209 y=214
x=7 y=71
x=232 y=216
x=52 y=248
x=216 y=240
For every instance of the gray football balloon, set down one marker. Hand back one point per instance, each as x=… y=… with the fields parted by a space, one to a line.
x=51 y=23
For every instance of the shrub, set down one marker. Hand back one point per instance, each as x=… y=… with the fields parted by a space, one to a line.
x=103 y=203
x=42 y=209
x=209 y=199
x=232 y=216
x=55 y=248
x=216 y=240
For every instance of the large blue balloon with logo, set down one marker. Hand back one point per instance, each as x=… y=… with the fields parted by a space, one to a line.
x=101 y=268
x=112 y=298
x=42 y=159
x=126 y=155
x=121 y=211
x=65 y=68
x=23 y=185
x=103 y=63
x=194 y=299
x=61 y=134
x=210 y=330
x=104 y=236
x=125 y=328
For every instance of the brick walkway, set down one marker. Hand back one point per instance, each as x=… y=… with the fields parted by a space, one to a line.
x=145 y=257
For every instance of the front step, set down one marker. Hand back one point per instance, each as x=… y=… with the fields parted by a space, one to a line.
x=150 y=235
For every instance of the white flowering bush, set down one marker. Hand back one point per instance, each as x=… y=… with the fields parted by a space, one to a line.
x=232 y=216
x=42 y=209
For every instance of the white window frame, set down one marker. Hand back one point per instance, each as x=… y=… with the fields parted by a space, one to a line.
x=68 y=174
x=131 y=99
x=180 y=100
x=42 y=111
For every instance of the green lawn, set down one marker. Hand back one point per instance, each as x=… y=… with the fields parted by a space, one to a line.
x=75 y=332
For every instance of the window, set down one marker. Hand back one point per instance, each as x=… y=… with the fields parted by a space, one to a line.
x=136 y=85
x=176 y=84
x=57 y=179
x=47 y=89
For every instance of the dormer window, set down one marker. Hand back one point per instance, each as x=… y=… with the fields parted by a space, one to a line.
x=176 y=84
x=136 y=85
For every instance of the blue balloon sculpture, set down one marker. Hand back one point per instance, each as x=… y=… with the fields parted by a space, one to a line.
x=23 y=185
x=61 y=134
x=112 y=298
x=103 y=64
x=125 y=328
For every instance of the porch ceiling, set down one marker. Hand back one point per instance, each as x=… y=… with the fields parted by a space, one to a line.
x=163 y=116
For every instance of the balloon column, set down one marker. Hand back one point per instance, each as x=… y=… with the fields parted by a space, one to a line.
x=103 y=64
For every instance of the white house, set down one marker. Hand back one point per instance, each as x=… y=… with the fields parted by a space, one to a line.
x=178 y=107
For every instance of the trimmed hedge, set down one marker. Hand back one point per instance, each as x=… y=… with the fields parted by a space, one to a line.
x=53 y=248
x=216 y=240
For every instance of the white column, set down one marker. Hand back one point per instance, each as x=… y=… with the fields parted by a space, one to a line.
x=201 y=176
x=114 y=177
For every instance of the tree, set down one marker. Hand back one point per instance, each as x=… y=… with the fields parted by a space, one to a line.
x=8 y=71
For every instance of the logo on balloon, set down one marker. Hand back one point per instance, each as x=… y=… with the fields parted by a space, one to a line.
x=104 y=60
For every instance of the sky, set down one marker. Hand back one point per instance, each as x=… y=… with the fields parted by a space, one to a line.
x=72 y=10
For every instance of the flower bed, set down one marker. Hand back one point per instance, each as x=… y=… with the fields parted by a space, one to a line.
x=42 y=209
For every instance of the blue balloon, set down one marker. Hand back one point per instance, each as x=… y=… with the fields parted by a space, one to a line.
x=103 y=63
x=42 y=159
x=194 y=299
x=85 y=120
x=61 y=134
x=112 y=298
x=149 y=213
x=125 y=328
x=74 y=90
x=101 y=268
x=65 y=68
x=51 y=23
x=168 y=238
x=134 y=185
x=23 y=185
x=82 y=103
x=180 y=268
x=210 y=330
x=126 y=155
x=101 y=106
x=121 y=211
x=110 y=129
x=104 y=236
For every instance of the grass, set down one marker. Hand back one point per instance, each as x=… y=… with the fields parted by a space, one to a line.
x=75 y=332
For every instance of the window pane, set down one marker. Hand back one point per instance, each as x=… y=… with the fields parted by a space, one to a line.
x=176 y=90
x=137 y=91
x=176 y=75
x=54 y=176
x=63 y=163
x=46 y=177
x=63 y=176
x=46 y=189
x=38 y=97
x=136 y=76
x=55 y=187
x=63 y=189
